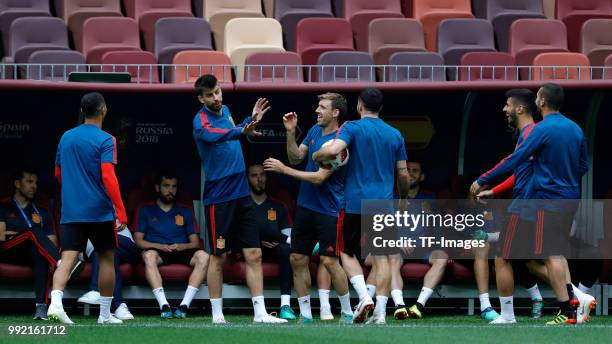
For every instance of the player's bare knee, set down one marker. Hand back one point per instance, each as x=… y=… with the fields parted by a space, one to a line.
x=150 y=257
x=200 y=259
x=252 y=255
x=298 y=260
x=329 y=262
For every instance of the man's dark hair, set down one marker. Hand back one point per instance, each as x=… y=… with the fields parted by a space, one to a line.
x=372 y=99
x=91 y=103
x=206 y=81
x=337 y=102
x=21 y=171
x=165 y=174
x=523 y=97
x=553 y=94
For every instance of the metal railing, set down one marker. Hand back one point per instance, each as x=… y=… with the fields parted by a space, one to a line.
x=167 y=73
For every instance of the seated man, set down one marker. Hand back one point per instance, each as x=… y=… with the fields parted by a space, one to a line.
x=26 y=236
x=166 y=234
x=271 y=218
x=125 y=252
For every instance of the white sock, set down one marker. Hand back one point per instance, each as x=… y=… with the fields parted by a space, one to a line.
x=359 y=284
x=304 y=303
x=507 y=307
x=579 y=294
x=324 y=298
x=424 y=295
x=398 y=297
x=217 y=308
x=105 y=305
x=484 y=301
x=189 y=294
x=56 y=298
x=534 y=292
x=381 y=305
x=285 y=300
x=345 y=303
x=259 y=306
x=583 y=288
x=160 y=296
x=371 y=290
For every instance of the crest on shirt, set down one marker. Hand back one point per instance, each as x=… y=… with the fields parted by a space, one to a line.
x=271 y=214
x=35 y=218
x=154 y=219
x=220 y=243
x=12 y=215
x=179 y=220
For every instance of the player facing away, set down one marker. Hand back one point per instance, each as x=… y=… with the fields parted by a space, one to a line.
x=377 y=151
x=559 y=152
x=91 y=204
x=320 y=203
x=226 y=197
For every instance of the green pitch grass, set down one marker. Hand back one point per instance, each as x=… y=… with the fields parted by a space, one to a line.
x=454 y=329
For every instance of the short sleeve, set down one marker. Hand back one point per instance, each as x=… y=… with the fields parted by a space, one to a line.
x=58 y=157
x=109 y=150
x=189 y=221
x=347 y=132
x=309 y=136
x=400 y=153
x=141 y=220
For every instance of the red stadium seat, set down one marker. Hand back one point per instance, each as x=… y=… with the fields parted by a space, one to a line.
x=194 y=63
x=530 y=37
x=290 y=12
x=561 y=66
x=148 y=12
x=482 y=66
x=287 y=67
x=391 y=35
x=574 y=13
x=361 y=12
x=104 y=34
x=608 y=71
x=139 y=74
x=597 y=42
x=76 y=12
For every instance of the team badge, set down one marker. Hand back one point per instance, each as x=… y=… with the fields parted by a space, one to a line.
x=271 y=215
x=488 y=215
x=35 y=218
x=179 y=220
x=220 y=243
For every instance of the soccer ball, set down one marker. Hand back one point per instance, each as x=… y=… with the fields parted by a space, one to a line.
x=340 y=160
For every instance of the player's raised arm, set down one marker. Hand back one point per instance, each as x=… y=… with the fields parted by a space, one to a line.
x=295 y=153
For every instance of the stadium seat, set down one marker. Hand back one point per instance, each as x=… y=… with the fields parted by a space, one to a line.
x=31 y=34
x=502 y=13
x=346 y=66
x=459 y=36
x=607 y=75
x=76 y=12
x=361 y=12
x=70 y=61
x=415 y=66
x=140 y=74
x=176 y=34
x=244 y=36
x=290 y=12
x=574 y=13
x=318 y=35
x=530 y=37
x=287 y=67
x=201 y=62
x=597 y=42
x=487 y=66
x=268 y=8
x=390 y=35
x=11 y=10
x=561 y=66
x=148 y=12
x=549 y=8
x=104 y=34
x=219 y=12
x=431 y=12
